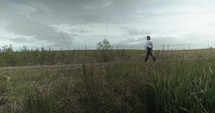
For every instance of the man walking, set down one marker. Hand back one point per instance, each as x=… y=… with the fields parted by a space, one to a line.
x=149 y=48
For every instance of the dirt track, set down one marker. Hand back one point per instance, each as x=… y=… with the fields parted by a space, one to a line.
x=40 y=67
x=67 y=66
x=63 y=66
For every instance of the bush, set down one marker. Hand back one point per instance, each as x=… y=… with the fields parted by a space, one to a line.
x=105 y=53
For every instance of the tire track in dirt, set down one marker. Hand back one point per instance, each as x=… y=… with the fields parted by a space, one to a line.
x=63 y=67
x=78 y=66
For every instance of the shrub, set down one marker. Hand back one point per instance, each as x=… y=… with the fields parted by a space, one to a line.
x=105 y=53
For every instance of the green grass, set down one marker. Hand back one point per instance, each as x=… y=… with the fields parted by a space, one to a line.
x=179 y=82
x=189 y=87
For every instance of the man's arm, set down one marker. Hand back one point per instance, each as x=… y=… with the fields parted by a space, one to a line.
x=151 y=44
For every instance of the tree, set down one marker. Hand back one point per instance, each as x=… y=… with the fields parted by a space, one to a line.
x=104 y=45
x=104 y=51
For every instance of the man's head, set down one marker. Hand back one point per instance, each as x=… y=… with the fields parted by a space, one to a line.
x=148 y=37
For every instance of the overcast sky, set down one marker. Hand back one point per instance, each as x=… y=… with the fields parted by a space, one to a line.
x=79 y=23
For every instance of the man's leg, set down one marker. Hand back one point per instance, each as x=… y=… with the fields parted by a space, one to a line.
x=148 y=53
x=147 y=56
x=153 y=57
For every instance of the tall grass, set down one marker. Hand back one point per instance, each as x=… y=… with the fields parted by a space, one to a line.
x=172 y=85
x=188 y=88
x=115 y=88
x=25 y=56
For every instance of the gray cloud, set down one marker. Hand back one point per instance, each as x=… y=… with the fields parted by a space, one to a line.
x=40 y=31
x=35 y=17
x=85 y=11
x=22 y=40
x=134 y=32
x=25 y=26
x=167 y=21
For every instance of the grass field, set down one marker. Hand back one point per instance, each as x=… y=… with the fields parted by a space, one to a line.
x=114 y=81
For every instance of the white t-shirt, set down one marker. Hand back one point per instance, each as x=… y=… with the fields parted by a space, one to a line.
x=149 y=44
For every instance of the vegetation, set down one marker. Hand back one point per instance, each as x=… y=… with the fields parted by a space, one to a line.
x=179 y=82
x=104 y=51
x=25 y=56
x=186 y=86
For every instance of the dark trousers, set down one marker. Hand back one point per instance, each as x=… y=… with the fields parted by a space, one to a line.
x=149 y=52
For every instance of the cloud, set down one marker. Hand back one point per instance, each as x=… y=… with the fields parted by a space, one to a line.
x=134 y=32
x=22 y=40
x=24 y=28
x=126 y=21
x=82 y=11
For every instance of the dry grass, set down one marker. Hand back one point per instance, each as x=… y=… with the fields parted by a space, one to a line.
x=127 y=85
